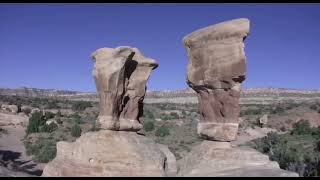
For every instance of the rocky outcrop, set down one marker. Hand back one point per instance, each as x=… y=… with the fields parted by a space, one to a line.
x=121 y=75
x=216 y=69
x=108 y=153
x=10 y=108
x=221 y=159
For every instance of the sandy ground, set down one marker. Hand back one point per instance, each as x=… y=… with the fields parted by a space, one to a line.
x=13 y=148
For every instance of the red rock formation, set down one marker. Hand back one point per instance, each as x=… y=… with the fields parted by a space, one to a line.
x=216 y=69
x=121 y=75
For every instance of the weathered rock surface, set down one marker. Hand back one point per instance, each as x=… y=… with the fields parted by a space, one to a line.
x=13 y=120
x=250 y=134
x=216 y=69
x=171 y=162
x=10 y=108
x=263 y=120
x=221 y=159
x=5 y=172
x=121 y=75
x=108 y=153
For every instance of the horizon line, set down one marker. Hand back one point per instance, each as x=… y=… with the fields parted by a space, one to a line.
x=261 y=87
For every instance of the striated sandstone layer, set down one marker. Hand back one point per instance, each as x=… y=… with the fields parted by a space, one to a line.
x=216 y=69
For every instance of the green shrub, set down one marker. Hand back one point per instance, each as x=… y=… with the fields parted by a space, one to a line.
x=30 y=149
x=48 y=115
x=162 y=131
x=165 y=117
x=46 y=152
x=76 y=131
x=184 y=114
x=35 y=105
x=59 y=121
x=174 y=115
x=291 y=106
x=81 y=105
x=76 y=118
x=51 y=104
x=58 y=114
x=34 y=122
x=251 y=112
x=78 y=121
x=43 y=150
x=148 y=114
x=296 y=151
x=148 y=125
x=313 y=107
x=3 y=131
x=94 y=126
x=19 y=108
x=301 y=127
x=49 y=128
x=27 y=111
x=277 y=110
x=283 y=128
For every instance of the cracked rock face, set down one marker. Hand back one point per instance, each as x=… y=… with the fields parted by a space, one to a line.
x=121 y=75
x=216 y=69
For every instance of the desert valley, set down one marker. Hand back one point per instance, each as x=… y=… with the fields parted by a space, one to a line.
x=174 y=95
x=167 y=120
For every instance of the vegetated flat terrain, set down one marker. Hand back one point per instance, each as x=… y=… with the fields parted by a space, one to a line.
x=52 y=120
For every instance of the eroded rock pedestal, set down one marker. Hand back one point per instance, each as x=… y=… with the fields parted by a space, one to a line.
x=121 y=75
x=111 y=153
x=216 y=69
x=116 y=150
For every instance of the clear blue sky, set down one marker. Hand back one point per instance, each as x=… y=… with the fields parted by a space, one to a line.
x=49 y=45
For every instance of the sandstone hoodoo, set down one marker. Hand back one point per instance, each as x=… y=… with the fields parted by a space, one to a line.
x=216 y=69
x=121 y=75
x=116 y=150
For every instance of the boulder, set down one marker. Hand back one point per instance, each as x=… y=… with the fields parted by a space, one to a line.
x=35 y=110
x=216 y=69
x=109 y=153
x=212 y=159
x=121 y=75
x=263 y=121
x=48 y=122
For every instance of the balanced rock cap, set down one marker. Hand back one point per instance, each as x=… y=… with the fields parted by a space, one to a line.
x=236 y=27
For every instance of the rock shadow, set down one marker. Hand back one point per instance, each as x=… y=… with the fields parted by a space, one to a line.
x=11 y=158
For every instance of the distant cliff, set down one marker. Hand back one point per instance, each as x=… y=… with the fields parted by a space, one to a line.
x=248 y=96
